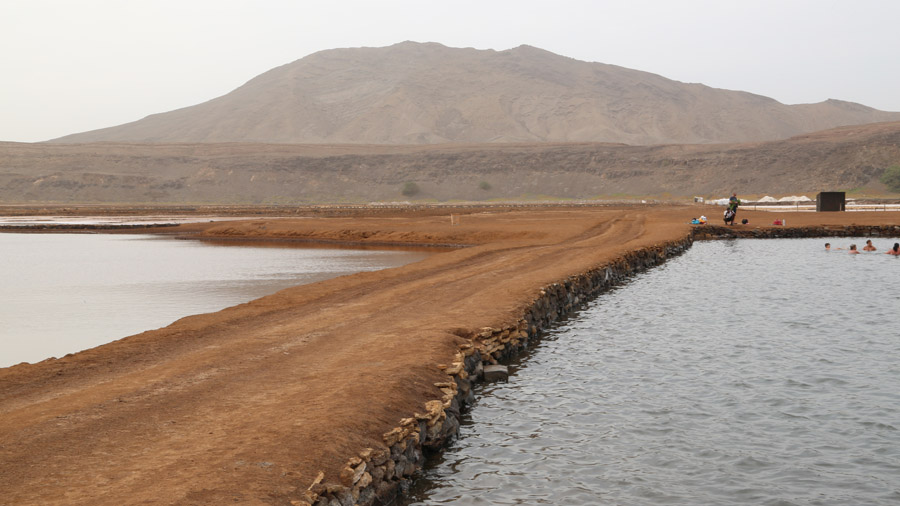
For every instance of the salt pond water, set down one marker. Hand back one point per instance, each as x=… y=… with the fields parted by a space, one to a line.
x=743 y=372
x=62 y=293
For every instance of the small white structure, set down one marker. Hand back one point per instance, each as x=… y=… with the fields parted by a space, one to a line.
x=768 y=199
x=793 y=198
x=698 y=199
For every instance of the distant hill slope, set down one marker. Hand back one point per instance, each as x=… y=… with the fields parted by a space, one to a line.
x=426 y=93
x=842 y=159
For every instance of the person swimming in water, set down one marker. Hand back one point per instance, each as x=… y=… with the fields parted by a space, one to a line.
x=895 y=250
x=869 y=246
x=853 y=250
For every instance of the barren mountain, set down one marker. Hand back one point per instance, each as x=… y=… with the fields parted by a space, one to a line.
x=414 y=93
x=847 y=158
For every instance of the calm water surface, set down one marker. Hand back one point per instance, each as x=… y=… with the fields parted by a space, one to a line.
x=62 y=293
x=743 y=372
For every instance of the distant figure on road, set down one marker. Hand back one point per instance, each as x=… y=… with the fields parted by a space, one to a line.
x=853 y=250
x=731 y=211
x=729 y=216
x=869 y=246
x=895 y=250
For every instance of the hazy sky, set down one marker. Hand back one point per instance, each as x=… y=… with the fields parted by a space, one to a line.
x=69 y=66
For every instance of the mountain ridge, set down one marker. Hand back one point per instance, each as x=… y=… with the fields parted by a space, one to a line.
x=428 y=93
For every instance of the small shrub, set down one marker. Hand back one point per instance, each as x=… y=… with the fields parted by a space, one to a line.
x=891 y=178
x=484 y=185
x=410 y=189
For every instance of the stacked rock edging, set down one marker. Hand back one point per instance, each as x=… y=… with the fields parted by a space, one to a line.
x=721 y=232
x=377 y=476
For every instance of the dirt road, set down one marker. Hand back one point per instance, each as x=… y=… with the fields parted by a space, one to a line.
x=248 y=404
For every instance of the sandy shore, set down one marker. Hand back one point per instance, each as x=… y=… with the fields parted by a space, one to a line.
x=249 y=404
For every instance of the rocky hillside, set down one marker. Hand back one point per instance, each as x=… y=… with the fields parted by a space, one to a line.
x=848 y=158
x=413 y=93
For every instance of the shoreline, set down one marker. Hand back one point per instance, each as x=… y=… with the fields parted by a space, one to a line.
x=271 y=393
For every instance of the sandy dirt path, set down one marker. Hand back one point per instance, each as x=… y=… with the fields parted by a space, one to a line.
x=248 y=404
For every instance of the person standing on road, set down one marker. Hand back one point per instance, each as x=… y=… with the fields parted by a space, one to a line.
x=731 y=211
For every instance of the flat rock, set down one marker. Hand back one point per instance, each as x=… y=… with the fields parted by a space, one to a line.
x=496 y=373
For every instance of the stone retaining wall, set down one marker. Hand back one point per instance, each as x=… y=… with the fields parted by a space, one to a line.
x=737 y=231
x=378 y=475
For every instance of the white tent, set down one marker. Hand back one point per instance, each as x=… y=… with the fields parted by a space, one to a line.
x=793 y=198
x=768 y=199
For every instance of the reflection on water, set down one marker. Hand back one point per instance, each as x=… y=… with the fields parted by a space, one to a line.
x=744 y=372
x=312 y=244
x=64 y=293
x=31 y=221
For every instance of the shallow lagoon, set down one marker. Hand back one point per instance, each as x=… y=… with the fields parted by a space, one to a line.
x=62 y=293
x=743 y=372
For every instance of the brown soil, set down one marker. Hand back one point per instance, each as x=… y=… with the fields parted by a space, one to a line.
x=248 y=404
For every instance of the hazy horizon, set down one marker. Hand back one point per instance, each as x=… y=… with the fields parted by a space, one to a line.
x=73 y=67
